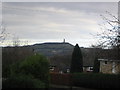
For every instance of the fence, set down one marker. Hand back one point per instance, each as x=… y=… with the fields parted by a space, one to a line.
x=60 y=79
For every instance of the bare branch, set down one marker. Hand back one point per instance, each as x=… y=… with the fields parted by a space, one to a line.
x=110 y=36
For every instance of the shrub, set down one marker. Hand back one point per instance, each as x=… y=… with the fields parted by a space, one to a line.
x=22 y=81
x=36 y=66
x=5 y=71
x=95 y=80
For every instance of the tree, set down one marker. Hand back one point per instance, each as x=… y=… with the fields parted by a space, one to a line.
x=110 y=35
x=16 y=41
x=77 y=60
x=3 y=33
x=12 y=55
x=96 y=67
x=36 y=66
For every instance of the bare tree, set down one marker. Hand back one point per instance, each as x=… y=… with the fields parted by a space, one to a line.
x=110 y=35
x=3 y=33
x=16 y=41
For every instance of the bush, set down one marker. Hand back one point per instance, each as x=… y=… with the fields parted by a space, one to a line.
x=5 y=71
x=22 y=81
x=95 y=80
x=36 y=66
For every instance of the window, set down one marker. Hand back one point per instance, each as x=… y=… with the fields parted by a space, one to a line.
x=105 y=62
x=113 y=67
x=91 y=68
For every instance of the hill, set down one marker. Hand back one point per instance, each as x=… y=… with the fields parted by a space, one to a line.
x=53 y=49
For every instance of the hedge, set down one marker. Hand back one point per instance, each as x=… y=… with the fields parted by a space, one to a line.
x=88 y=80
x=22 y=81
x=94 y=80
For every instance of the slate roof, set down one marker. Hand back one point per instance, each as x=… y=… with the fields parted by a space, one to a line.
x=88 y=56
x=109 y=54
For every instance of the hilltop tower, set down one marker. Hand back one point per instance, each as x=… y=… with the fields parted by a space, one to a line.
x=63 y=40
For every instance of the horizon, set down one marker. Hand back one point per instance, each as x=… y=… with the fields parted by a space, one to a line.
x=42 y=43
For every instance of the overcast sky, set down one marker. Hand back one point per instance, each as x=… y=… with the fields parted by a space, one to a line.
x=59 y=0
x=39 y=22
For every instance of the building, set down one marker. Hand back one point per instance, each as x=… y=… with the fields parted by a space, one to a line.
x=109 y=61
x=63 y=61
x=89 y=55
x=109 y=66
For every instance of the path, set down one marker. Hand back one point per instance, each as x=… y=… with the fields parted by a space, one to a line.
x=69 y=88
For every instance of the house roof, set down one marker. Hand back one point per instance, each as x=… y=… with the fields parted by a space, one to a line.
x=109 y=54
x=88 y=56
x=65 y=60
x=109 y=60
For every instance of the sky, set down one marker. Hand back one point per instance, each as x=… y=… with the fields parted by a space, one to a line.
x=59 y=0
x=39 y=22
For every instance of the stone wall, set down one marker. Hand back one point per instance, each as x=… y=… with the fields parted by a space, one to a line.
x=109 y=67
x=105 y=68
x=118 y=67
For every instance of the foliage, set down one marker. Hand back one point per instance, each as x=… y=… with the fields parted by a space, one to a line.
x=13 y=55
x=36 y=66
x=22 y=81
x=96 y=67
x=95 y=80
x=77 y=60
x=5 y=71
x=87 y=80
x=32 y=72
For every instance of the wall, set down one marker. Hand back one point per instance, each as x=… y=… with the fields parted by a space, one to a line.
x=118 y=67
x=110 y=67
x=60 y=79
x=105 y=68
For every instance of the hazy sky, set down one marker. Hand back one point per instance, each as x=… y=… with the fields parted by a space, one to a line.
x=39 y=22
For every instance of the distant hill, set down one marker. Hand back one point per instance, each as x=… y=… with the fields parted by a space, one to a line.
x=53 y=49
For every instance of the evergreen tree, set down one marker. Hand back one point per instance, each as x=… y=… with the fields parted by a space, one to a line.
x=96 y=67
x=77 y=60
